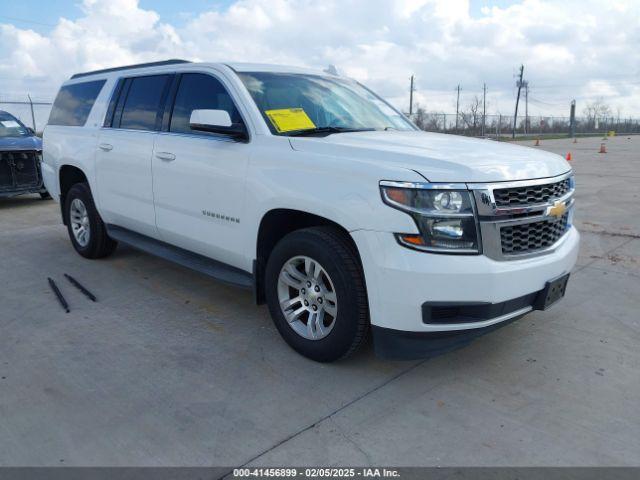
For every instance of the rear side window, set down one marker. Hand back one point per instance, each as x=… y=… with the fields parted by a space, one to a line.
x=200 y=91
x=143 y=103
x=74 y=102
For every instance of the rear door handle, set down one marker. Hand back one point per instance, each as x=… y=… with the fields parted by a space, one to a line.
x=105 y=146
x=167 y=156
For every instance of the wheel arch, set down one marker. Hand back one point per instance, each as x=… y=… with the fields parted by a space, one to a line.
x=68 y=176
x=275 y=225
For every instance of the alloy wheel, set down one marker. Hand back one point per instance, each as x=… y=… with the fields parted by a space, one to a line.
x=79 y=218
x=307 y=298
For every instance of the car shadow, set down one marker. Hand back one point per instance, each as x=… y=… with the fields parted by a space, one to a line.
x=20 y=201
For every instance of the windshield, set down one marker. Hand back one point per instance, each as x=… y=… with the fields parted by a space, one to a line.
x=11 y=127
x=299 y=103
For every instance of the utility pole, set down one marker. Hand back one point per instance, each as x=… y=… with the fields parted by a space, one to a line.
x=411 y=98
x=515 y=116
x=526 y=106
x=457 y=107
x=572 y=120
x=484 y=106
x=33 y=117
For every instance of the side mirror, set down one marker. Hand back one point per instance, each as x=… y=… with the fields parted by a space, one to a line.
x=217 y=121
x=31 y=131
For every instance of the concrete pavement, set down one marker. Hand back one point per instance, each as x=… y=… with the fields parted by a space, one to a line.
x=172 y=368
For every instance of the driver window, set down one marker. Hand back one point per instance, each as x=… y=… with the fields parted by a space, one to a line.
x=200 y=91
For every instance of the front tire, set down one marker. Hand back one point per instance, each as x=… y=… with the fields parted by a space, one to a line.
x=86 y=229
x=316 y=293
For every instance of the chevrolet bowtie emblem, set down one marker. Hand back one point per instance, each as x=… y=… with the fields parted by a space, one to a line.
x=556 y=210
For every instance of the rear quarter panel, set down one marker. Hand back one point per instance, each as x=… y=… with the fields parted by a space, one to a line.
x=75 y=146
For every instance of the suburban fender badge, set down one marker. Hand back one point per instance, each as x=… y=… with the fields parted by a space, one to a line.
x=220 y=216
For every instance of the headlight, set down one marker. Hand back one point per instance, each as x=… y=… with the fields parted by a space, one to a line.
x=444 y=216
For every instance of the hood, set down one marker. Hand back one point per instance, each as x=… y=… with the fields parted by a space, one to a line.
x=439 y=157
x=20 y=143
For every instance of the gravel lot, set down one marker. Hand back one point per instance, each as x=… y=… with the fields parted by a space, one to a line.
x=172 y=368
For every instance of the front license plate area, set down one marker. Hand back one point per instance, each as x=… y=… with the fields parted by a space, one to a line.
x=553 y=291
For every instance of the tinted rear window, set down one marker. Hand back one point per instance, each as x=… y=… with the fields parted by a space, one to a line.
x=143 y=103
x=73 y=103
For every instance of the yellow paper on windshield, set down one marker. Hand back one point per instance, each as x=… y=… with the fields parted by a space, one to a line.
x=290 y=119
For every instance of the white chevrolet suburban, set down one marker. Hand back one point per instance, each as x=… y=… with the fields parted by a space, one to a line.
x=317 y=194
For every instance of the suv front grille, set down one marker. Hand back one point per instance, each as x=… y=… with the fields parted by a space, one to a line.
x=530 y=237
x=531 y=195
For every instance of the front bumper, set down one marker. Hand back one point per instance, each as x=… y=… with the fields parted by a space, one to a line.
x=400 y=281
x=21 y=176
x=402 y=345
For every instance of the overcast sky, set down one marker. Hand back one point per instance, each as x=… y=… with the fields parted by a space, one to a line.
x=582 y=49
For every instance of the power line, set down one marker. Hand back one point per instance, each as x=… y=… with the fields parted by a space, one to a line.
x=22 y=20
x=550 y=104
x=586 y=82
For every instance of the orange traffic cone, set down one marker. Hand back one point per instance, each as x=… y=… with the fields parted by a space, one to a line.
x=569 y=157
x=537 y=144
x=603 y=148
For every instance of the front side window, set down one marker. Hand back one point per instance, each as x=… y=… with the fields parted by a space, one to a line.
x=299 y=103
x=198 y=91
x=10 y=126
x=143 y=102
x=74 y=102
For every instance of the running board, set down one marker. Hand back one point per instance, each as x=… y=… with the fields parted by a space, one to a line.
x=218 y=270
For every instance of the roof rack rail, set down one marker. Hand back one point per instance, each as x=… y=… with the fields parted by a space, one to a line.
x=127 y=67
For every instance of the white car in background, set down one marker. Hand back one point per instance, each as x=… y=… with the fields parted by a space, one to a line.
x=317 y=194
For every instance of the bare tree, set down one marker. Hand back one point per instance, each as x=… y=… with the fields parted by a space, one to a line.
x=436 y=122
x=472 y=115
x=420 y=117
x=596 y=110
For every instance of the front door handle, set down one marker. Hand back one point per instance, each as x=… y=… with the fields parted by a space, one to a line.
x=105 y=146
x=166 y=156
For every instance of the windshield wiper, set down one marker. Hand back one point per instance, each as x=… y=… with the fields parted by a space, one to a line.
x=327 y=130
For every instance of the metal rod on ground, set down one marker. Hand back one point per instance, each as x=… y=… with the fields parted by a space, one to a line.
x=61 y=299
x=77 y=284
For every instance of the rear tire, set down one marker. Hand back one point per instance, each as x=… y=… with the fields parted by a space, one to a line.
x=86 y=230
x=337 y=294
